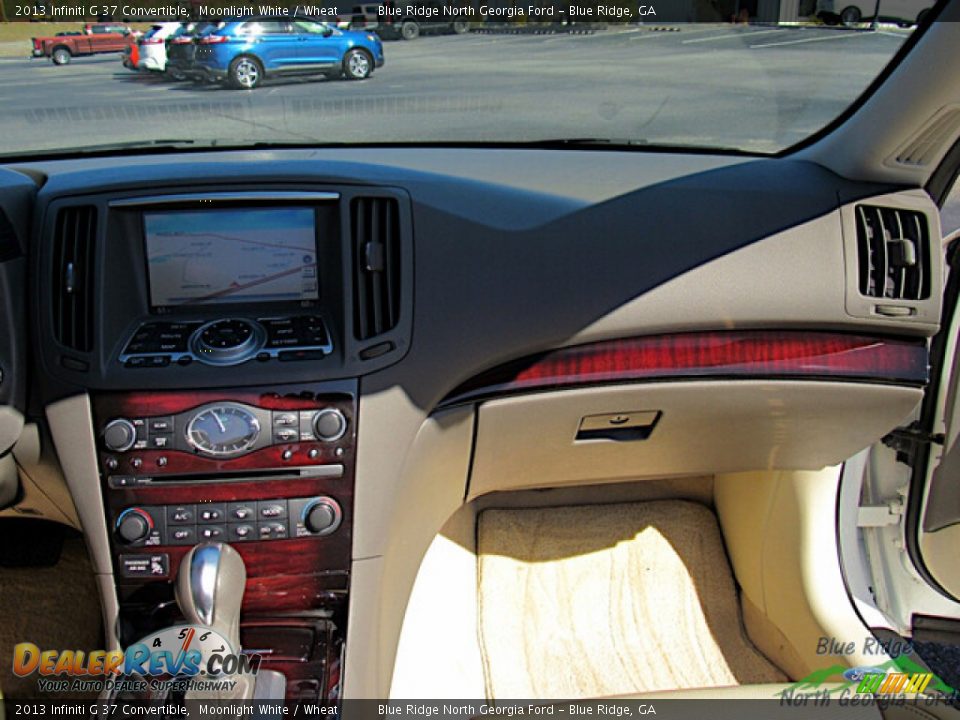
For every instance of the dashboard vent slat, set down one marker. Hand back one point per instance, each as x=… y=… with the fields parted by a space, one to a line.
x=72 y=281
x=375 y=226
x=893 y=249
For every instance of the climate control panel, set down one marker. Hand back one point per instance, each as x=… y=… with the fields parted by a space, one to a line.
x=246 y=521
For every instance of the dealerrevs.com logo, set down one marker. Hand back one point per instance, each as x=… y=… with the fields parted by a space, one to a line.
x=179 y=657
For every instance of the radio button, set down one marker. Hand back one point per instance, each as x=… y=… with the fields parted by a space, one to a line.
x=240 y=511
x=271 y=509
x=212 y=532
x=285 y=419
x=160 y=442
x=241 y=533
x=146 y=332
x=295 y=355
x=181 y=515
x=160 y=425
x=185 y=535
x=211 y=513
x=285 y=435
x=271 y=530
x=179 y=327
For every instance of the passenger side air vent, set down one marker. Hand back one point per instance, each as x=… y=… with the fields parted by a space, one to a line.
x=375 y=227
x=74 y=244
x=893 y=251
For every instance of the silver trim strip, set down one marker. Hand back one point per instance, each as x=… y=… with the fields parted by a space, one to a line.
x=225 y=197
x=321 y=471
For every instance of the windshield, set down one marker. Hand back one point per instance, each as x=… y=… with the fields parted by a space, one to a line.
x=754 y=76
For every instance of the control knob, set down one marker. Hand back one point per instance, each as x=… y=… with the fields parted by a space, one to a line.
x=119 y=435
x=227 y=342
x=322 y=515
x=329 y=424
x=134 y=525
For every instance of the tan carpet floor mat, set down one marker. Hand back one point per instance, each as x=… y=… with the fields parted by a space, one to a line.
x=601 y=600
x=56 y=608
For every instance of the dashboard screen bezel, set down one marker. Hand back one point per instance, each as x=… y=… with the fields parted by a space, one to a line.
x=240 y=305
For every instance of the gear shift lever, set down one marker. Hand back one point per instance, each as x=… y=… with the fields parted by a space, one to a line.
x=210 y=587
x=209 y=591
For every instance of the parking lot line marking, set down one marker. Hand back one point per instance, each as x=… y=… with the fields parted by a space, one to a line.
x=892 y=33
x=652 y=34
x=836 y=35
x=576 y=37
x=734 y=35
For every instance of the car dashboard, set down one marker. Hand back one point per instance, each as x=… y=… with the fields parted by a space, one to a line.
x=395 y=332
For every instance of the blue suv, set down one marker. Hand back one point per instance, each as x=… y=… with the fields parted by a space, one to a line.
x=243 y=52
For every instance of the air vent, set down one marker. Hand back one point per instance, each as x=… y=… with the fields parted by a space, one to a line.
x=893 y=248
x=72 y=282
x=375 y=223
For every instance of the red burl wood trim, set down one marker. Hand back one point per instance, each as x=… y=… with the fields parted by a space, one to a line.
x=152 y=404
x=108 y=406
x=185 y=463
x=228 y=491
x=741 y=354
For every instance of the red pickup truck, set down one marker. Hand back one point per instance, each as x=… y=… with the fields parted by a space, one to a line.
x=95 y=38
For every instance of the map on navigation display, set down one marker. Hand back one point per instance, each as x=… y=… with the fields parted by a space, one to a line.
x=229 y=256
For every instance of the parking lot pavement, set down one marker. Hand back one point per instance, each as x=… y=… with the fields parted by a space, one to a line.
x=758 y=87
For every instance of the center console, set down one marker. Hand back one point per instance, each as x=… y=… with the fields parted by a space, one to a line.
x=221 y=333
x=268 y=470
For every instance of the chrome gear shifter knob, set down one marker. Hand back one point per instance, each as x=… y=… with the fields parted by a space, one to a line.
x=210 y=586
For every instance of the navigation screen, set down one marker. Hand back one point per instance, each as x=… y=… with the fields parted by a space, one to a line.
x=231 y=256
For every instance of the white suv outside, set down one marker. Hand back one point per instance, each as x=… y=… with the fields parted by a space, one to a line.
x=153 y=46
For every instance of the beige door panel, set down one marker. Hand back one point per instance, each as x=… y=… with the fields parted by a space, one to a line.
x=780 y=532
